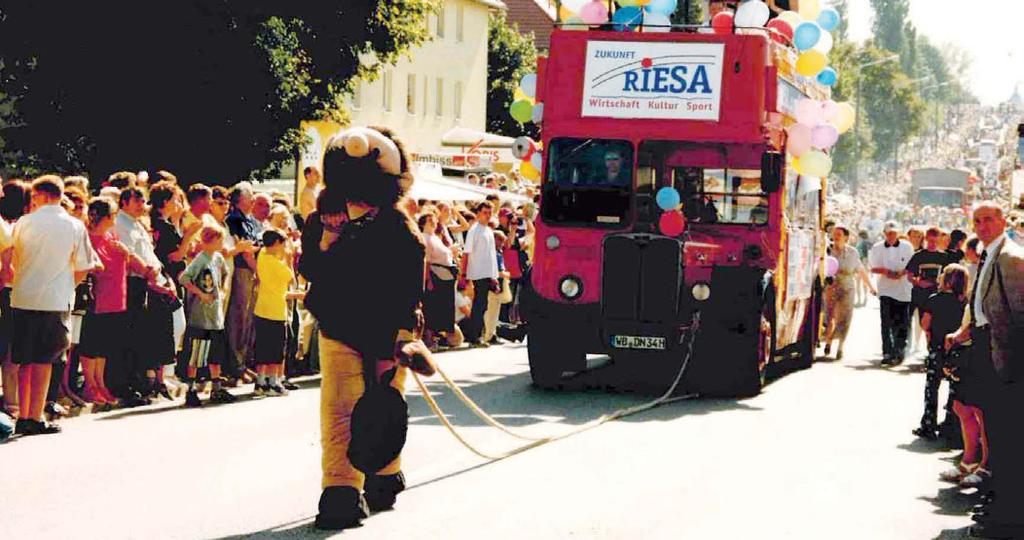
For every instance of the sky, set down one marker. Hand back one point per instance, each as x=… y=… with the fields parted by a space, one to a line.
x=989 y=30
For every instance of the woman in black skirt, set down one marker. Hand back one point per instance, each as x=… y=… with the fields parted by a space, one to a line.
x=439 y=300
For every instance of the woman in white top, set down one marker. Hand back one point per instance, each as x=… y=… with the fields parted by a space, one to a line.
x=439 y=300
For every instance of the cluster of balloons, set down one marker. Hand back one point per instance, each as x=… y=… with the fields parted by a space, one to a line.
x=652 y=15
x=817 y=129
x=525 y=107
x=672 y=222
x=529 y=151
x=809 y=29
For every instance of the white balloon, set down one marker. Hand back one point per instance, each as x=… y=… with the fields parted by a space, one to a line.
x=537 y=115
x=752 y=13
x=825 y=42
x=537 y=160
x=574 y=5
x=659 y=22
x=521 y=147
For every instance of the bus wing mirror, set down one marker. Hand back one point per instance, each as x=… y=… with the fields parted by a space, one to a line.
x=772 y=164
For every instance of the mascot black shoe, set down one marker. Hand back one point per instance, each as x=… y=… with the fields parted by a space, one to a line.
x=360 y=249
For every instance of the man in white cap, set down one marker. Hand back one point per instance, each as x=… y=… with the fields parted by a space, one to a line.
x=888 y=259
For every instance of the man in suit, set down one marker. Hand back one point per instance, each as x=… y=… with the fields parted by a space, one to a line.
x=997 y=334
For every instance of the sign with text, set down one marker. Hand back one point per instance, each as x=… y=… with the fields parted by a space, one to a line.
x=677 y=81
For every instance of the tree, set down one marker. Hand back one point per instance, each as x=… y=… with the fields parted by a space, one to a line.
x=510 y=55
x=891 y=102
x=889 y=22
x=213 y=90
x=840 y=33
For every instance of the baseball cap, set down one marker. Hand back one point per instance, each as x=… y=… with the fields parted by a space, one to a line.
x=891 y=226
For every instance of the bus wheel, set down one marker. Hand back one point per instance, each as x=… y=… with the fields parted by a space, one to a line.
x=812 y=323
x=754 y=377
x=548 y=357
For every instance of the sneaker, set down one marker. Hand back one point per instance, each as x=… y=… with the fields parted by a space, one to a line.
x=958 y=473
x=288 y=385
x=260 y=392
x=222 y=396
x=926 y=433
x=276 y=391
x=35 y=427
x=976 y=479
x=55 y=409
x=192 y=399
x=888 y=361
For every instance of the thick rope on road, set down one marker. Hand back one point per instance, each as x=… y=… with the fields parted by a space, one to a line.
x=539 y=441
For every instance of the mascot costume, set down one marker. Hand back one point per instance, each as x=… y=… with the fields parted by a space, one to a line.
x=365 y=261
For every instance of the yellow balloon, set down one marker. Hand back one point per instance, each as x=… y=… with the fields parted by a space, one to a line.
x=811 y=62
x=566 y=13
x=809 y=9
x=519 y=95
x=528 y=171
x=815 y=163
x=794 y=162
x=793 y=18
x=844 y=118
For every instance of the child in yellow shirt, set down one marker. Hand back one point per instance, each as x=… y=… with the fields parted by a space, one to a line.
x=271 y=313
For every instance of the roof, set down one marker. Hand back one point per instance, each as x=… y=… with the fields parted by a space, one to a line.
x=463 y=136
x=493 y=4
x=537 y=16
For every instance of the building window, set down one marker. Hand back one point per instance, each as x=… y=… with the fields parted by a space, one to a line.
x=386 y=85
x=439 y=99
x=357 y=96
x=440 y=21
x=458 y=100
x=426 y=93
x=460 y=21
x=410 y=98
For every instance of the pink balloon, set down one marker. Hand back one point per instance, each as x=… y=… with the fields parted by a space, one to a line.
x=829 y=110
x=808 y=112
x=824 y=136
x=799 y=139
x=595 y=12
x=831 y=266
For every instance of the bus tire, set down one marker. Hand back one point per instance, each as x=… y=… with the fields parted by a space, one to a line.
x=753 y=375
x=812 y=323
x=547 y=359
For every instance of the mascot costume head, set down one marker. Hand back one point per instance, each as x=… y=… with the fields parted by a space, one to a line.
x=366 y=165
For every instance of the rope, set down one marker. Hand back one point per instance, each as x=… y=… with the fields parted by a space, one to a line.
x=539 y=441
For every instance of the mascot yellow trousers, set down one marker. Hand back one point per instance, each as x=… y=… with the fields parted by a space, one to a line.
x=341 y=369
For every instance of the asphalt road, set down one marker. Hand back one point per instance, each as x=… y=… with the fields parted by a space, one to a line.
x=822 y=453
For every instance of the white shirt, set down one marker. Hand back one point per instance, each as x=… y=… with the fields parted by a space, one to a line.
x=6 y=240
x=137 y=239
x=49 y=247
x=483 y=259
x=986 y=270
x=896 y=259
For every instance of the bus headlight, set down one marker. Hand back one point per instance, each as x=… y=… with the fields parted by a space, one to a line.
x=701 y=291
x=570 y=287
x=553 y=242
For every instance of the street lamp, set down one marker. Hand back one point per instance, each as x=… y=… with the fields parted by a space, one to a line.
x=856 y=127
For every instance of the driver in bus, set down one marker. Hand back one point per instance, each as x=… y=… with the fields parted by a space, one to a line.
x=615 y=174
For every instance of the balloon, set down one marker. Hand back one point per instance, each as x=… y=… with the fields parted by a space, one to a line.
x=799 y=140
x=808 y=112
x=752 y=13
x=626 y=18
x=722 y=22
x=663 y=7
x=815 y=163
x=521 y=111
x=656 y=22
x=537 y=160
x=594 y=12
x=529 y=84
x=528 y=171
x=809 y=9
x=667 y=198
x=672 y=223
x=810 y=63
x=831 y=266
x=825 y=43
x=793 y=18
x=522 y=147
x=537 y=114
x=845 y=118
x=781 y=27
x=806 y=35
x=574 y=5
x=828 y=19
x=828 y=76
x=824 y=136
x=632 y=3
x=518 y=94
x=829 y=109
x=574 y=23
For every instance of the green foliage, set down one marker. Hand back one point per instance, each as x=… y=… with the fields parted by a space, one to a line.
x=510 y=55
x=213 y=90
x=841 y=32
x=888 y=26
x=891 y=102
x=688 y=12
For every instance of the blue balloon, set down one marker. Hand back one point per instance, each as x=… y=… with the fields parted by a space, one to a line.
x=627 y=18
x=664 y=7
x=828 y=19
x=806 y=35
x=828 y=76
x=667 y=198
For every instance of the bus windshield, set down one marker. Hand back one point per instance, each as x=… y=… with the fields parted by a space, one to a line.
x=589 y=181
x=943 y=198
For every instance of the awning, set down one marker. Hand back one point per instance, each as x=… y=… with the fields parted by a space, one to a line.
x=463 y=136
x=432 y=186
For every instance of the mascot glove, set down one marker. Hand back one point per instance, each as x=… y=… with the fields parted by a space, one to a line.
x=416 y=356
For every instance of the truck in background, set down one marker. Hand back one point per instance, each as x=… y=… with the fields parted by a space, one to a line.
x=943 y=188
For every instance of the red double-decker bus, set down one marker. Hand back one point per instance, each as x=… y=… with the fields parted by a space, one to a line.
x=625 y=115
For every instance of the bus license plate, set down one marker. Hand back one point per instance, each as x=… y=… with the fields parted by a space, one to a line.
x=639 y=342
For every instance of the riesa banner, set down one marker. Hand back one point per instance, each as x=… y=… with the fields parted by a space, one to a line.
x=678 y=81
